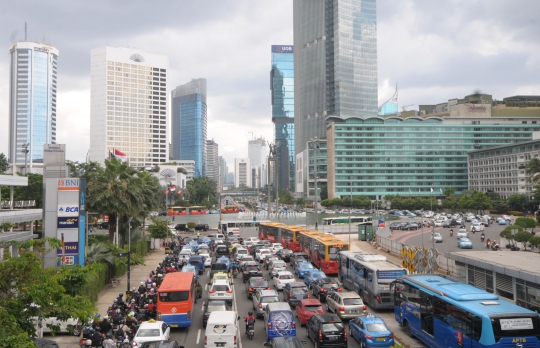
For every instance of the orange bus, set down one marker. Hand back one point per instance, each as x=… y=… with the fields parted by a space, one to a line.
x=306 y=239
x=230 y=209
x=270 y=231
x=175 y=211
x=289 y=237
x=325 y=253
x=176 y=299
x=197 y=210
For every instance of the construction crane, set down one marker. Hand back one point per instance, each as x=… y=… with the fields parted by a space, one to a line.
x=404 y=108
x=251 y=135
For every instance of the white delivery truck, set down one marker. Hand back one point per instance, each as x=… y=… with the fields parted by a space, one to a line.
x=221 y=330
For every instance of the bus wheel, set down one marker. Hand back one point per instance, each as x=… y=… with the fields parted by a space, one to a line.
x=408 y=329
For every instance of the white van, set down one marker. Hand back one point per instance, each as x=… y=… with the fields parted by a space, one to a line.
x=221 y=330
x=216 y=236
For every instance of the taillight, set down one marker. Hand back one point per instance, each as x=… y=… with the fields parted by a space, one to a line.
x=364 y=308
x=212 y=291
x=324 y=290
x=260 y=305
x=245 y=272
x=268 y=288
x=205 y=340
x=391 y=336
x=229 y=291
x=279 y=281
x=308 y=296
x=378 y=298
x=269 y=325
x=369 y=337
x=320 y=335
x=235 y=340
x=189 y=313
x=345 y=334
x=339 y=289
x=290 y=294
x=293 y=324
x=158 y=316
x=251 y=289
x=341 y=309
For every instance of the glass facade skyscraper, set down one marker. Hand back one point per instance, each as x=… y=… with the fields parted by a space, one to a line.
x=335 y=63
x=189 y=124
x=32 y=103
x=282 y=89
x=411 y=156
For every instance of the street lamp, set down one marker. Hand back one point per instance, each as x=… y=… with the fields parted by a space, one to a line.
x=25 y=151
x=350 y=205
x=129 y=254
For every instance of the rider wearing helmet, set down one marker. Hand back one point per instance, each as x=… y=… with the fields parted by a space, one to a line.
x=96 y=338
x=250 y=320
x=142 y=288
x=118 y=317
x=108 y=342
x=105 y=325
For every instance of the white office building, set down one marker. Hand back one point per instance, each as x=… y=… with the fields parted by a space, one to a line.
x=32 y=102
x=258 y=155
x=212 y=160
x=128 y=109
x=242 y=172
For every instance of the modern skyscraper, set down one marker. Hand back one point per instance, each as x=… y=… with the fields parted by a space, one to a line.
x=128 y=105
x=257 y=153
x=32 y=101
x=282 y=88
x=335 y=64
x=223 y=169
x=242 y=172
x=212 y=161
x=189 y=123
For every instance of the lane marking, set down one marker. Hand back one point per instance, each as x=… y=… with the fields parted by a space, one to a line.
x=206 y=287
x=198 y=336
x=202 y=308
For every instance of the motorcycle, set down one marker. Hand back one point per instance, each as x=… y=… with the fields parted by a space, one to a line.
x=482 y=238
x=473 y=230
x=234 y=272
x=495 y=246
x=251 y=331
x=85 y=342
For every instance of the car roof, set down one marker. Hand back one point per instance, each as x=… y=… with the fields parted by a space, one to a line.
x=348 y=294
x=220 y=282
x=150 y=324
x=310 y=302
x=284 y=272
x=325 y=318
x=265 y=293
x=302 y=263
x=296 y=285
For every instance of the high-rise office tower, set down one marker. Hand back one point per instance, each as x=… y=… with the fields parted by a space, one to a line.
x=212 y=161
x=32 y=101
x=242 y=172
x=223 y=170
x=258 y=153
x=128 y=105
x=335 y=64
x=189 y=123
x=282 y=89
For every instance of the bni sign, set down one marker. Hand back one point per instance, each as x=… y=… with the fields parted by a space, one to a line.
x=68 y=184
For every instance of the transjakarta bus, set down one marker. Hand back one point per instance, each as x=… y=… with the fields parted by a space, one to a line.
x=443 y=312
x=344 y=220
x=307 y=241
x=175 y=299
x=289 y=237
x=270 y=231
x=195 y=210
x=325 y=253
x=370 y=276
x=229 y=225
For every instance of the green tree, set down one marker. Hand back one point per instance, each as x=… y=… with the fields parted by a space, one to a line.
x=301 y=202
x=202 y=191
x=326 y=203
x=159 y=229
x=285 y=197
x=34 y=190
x=98 y=252
x=532 y=170
x=523 y=237
x=526 y=223
x=480 y=201
x=518 y=202
x=24 y=282
x=535 y=241
x=4 y=163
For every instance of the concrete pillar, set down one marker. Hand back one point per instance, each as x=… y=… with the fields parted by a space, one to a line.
x=11 y=197
x=32 y=227
x=1 y=254
x=14 y=251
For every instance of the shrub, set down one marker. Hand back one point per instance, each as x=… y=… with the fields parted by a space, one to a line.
x=96 y=279
x=191 y=225
x=515 y=213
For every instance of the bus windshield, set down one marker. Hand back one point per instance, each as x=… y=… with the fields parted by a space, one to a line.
x=175 y=296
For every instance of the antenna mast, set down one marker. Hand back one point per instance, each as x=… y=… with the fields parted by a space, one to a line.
x=25 y=32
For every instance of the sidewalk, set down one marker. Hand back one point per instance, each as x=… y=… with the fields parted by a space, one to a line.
x=106 y=297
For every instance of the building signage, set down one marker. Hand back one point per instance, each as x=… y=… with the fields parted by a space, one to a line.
x=68 y=210
x=477 y=108
x=282 y=49
x=69 y=260
x=68 y=222
x=68 y=184
x=41 y=49
x=69 y=248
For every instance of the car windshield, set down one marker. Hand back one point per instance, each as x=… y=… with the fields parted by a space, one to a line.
x=299 y=290
x=270 y=299
x=352 y=301
x=437 y=234
x=259 y=283
x=241 y=251
x=466 y=240
x=252 y=268
x=217 y=308
x=313 y=308
x=376 y=327
x=286 y=251
x=220 y=287
x=286 y=276
x=148 y=333
x=219 y=266
x=306 y=266
x=330 y=286
x=332 y=327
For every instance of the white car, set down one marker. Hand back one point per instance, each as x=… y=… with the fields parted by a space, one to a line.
x=243 y=259
x=221 y=290
x=478 y=227
x=283 y=278
x=207 y=259
x=438 y=223
x=251 y=239
x=184 y=254
x=261 y=254
x=277 y=267
x=276 y=247
x=462 y=233
x=151 y=330
x=437 y=237
x=240 y=252
x=203 y=249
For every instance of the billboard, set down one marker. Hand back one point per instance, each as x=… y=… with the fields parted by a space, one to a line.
x=282 y=49
x=68 y=184
x=68 y=209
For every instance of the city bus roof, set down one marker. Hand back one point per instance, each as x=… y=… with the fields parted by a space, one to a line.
x=176 y=281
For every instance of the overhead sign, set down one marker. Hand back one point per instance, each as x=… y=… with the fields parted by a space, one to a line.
x=69 y=248
x=68 y=184
x=68 y=222
x=68 y=210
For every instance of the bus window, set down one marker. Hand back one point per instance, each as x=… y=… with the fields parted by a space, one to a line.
x=173 y=296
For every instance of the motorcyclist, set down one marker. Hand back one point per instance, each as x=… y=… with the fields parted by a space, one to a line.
x=125 y=344
x=488 y=243
x=118 y=318
x=198 y=291
x=482 y=236
x=96 y=339
x=250 y=320
x=108 y=342
x=142 y=288
x=105 y=325
x=234 y=266
x=151 y=309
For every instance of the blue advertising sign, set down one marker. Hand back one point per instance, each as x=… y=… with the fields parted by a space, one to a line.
x=82 y=220
x=282 y=49
x=390 y=275
x=70 y=248
x=68 y=222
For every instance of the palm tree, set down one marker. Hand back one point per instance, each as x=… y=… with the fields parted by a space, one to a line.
x=533 y=170
x=98 y=252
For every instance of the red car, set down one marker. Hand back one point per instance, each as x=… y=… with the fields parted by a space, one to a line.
x=306 y=309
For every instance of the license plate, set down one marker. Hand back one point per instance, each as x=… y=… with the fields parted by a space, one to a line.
x=381 y=339
x=220 y=344
x=353 y=311
x=220 y=294
x=333 y=338
x=174 y=325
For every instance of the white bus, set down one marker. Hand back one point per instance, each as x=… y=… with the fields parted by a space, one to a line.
x=370 y=276
x=230 y=225
x=344 y=220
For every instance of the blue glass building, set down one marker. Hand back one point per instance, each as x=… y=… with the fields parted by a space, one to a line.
x=282 y=89
x=32 y=103
x=189 y=124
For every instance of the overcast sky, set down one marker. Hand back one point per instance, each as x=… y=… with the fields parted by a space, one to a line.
x=434 y=50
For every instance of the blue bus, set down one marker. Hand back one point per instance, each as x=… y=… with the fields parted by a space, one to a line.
x=443 y=312
x=370 y=275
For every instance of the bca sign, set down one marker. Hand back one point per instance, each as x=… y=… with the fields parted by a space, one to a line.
x=68 y=210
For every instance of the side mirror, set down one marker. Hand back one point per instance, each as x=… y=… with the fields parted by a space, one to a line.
x=303 y=342
x=238 y=318
x=266 y=344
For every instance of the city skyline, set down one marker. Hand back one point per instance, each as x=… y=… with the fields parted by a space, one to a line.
x=431 y=58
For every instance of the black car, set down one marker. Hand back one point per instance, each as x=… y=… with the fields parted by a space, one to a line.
x=222 y=250
x=322 y=287
x=394 y=225
x=255 y=284
x=285 y=254
x=451 y=223
x=161 y=344
x=202 y=227
x=411 y=225
x=401 y=226
x=326 y=330
x=293 y=293
x=285 y=342
x=298 y=255
x=212 y=306
x=251 y=269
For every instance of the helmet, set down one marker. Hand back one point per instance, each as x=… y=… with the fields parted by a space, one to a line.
x=153 y=284
x=150 y=301
x=152 y=291
x=145 y=306
x=126 y=341
x=106 y=317
x=142 y=283
x=98 y=315
x=92 y=330
x=129 y=315
x=115 y=300
x=118 y=311
x=250 y=313
x=121 y=294
x=132 y=300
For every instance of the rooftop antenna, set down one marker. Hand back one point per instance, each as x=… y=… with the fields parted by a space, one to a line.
x=251 y=135
x=25 y=31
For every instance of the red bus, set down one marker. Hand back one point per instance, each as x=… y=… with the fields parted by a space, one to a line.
x=270 y=231
x=306 y=239
x=326 y=249
x=289 y=237
x=176 y=299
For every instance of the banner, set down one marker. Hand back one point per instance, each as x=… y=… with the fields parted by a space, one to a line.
x=68 y=222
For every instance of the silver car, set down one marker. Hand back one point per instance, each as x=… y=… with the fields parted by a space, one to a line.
x=346 y=305
x=277 y=266
x=261 y=299
x=221 y=290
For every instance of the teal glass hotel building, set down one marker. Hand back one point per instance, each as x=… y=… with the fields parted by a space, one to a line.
x=411 y=156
